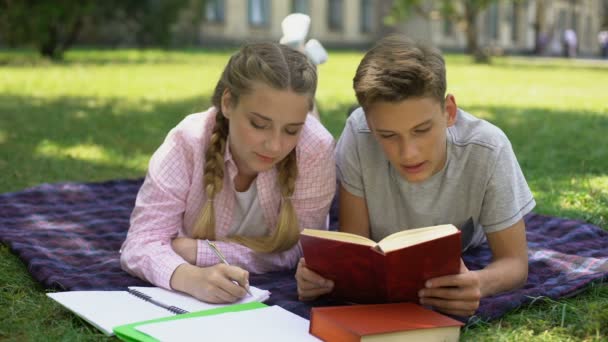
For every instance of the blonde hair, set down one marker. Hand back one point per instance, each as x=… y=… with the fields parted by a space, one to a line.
x=398 y=68
x=281 y=68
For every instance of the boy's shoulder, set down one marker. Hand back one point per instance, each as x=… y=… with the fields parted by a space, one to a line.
x=470 y=130
x=357 y=122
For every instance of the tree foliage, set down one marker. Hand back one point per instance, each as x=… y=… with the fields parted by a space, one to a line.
x=462 y=11
x=52 y=26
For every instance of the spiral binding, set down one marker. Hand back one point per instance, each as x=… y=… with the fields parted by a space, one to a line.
x=147 y=298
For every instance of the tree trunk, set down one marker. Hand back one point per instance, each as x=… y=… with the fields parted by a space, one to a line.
x=49 y=46
x=471 y=12
x=540 y=36
x=69 y=40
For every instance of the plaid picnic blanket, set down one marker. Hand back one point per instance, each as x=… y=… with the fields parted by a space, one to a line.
x=69 y=234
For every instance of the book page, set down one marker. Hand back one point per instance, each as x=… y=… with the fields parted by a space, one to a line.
x=410 y=237
x=339 y=236
x=191 y=304
x=272 y=323
x=107 y=309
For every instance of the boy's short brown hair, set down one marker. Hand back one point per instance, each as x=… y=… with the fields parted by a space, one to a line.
x=398 y=68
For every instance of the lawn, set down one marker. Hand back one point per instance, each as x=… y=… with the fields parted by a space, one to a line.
x=100 y=114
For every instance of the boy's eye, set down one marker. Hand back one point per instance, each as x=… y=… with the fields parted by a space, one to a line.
x=387 y=136
x=423 y=130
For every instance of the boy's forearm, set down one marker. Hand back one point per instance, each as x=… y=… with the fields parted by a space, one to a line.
x=502 y=275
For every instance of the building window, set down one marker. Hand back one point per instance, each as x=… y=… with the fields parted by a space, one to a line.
x=448 y=27
x=492 y=21
x=515 y=23
x=214 y=11
x=300 y=6
x=367 y=16
x=334 y=15
x=259 y=12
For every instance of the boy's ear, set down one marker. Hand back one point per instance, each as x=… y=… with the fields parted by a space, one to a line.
x=451 y=109
x=226 y=103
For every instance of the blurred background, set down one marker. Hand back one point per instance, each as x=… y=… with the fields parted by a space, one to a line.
x=480 y=27
x=90 y=88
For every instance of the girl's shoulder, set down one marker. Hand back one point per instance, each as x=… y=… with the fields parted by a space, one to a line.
x=195 y=128
x=315 y=138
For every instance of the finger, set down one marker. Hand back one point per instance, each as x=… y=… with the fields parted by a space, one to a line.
x=461 y=313
x=463 y=267
x=444 y=304
x=222 y=296
x=472 y=294
x=310 y=276
x=455 y=280
x=312 y=294
x=237 y=274
x=222 y=279
x=307 y=285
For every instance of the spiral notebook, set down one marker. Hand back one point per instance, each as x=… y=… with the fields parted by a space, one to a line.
x=108 y=309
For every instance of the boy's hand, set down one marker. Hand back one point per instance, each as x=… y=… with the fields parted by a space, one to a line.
x=310 y=284
x=214 y=284
x=454 y=294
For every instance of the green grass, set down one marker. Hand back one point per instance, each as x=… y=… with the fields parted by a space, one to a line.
x=100 y=114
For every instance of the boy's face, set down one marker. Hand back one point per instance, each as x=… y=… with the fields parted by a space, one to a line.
x=412 y=134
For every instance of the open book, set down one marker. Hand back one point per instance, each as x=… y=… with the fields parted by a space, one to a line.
x=108 y=309
x=392 y=270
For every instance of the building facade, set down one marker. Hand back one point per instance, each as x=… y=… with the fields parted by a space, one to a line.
x=516 y=26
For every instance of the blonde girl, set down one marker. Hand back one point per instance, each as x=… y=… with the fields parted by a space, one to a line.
x=249 y=173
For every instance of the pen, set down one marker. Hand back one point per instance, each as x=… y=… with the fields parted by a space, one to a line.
x=221 y=257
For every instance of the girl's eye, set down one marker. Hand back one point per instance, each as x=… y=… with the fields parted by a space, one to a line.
x=387 y=136
x=423 y=130
x=292 y=131
x=255 y=125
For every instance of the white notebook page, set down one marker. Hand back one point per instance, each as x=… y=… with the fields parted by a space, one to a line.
x=191 y=304
x=107 y=309
x=271 y=323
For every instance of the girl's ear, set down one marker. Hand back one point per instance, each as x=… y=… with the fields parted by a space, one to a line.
x=226 y=103
x=451 y=109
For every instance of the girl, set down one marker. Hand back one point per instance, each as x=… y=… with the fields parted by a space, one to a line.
x=249 y=173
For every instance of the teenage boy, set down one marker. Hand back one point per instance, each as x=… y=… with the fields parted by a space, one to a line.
x=409 y=157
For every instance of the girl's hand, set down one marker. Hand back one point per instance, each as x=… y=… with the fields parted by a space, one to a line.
x=310 y=284
x=454 y=294
x=186 y=248
x=214 y=284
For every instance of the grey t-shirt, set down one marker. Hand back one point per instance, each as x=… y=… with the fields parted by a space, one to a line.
x=481 y=180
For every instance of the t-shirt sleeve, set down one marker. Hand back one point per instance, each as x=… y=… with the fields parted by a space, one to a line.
x=507 y=198
x=348 y=162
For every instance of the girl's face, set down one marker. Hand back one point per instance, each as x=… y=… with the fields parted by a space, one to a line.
x=265 y=126
x=412 y=134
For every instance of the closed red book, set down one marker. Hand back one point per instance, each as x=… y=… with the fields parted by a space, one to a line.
x=382 y=322
x=392 y=270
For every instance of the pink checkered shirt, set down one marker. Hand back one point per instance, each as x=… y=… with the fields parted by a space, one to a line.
x=172 y=196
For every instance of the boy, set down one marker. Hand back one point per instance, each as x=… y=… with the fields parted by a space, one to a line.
x=410 y=158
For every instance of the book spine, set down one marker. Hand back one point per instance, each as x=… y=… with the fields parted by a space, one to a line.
x=325 y=328
x=171 y=308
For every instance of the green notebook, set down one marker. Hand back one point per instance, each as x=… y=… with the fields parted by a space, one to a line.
x=128 y=332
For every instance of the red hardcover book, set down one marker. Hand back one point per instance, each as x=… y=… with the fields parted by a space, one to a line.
x=392 y=270
x=382 y=322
